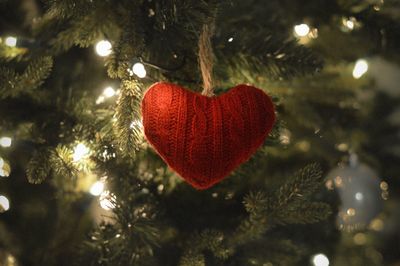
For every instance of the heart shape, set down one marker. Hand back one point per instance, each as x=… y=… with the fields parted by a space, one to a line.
x=204 y=138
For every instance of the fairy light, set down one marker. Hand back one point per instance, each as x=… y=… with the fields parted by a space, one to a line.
x=11 y=41
x=4 y=204
x=136 y=124
x=5 y=142
x=360 y=68
x=384 y=185
x=103 y=48
x=4 y=168
x=359 y=196
x=285 y=136
x=350 y=24
x=139 y=70
x=107 y=200
x=10 y=260
x=109 y=92
x=4 y=173
x=80 y=152
x=301 y=30
x=351 y=212
x=360 y=239
x=377 y=224
x=97 y=188
x=320 y=260
x=100 y=99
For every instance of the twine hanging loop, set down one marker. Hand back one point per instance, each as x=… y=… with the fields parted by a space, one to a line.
x=206 y=58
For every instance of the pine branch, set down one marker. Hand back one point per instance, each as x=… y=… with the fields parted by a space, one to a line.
x=67 y=8
x=277 y=58
x=288 y=205
x=39 y=167
x=127 y=113
x=61 y=162
x=192 y=259
x=273 y=250
x=84 y=30
x=36 y=72
x=257 y=223
x=303 y=213
x=129 y=45
x=305 y=182
x=8 y=53
x=8 y=81
x=134 y=233
x=13 y=84
x=210 y=240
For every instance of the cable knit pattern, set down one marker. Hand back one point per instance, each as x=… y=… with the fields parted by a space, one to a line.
x=204 y=138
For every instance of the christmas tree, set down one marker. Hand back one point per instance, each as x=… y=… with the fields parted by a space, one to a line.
x=84 y=179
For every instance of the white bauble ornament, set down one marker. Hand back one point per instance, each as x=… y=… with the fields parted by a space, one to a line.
x=360 y=193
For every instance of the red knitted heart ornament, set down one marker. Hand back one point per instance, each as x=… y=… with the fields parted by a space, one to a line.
x=204 y=138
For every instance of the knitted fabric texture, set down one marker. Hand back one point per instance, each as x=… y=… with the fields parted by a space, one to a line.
x=204 y=138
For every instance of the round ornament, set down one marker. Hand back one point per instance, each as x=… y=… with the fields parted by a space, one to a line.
x=360 y=193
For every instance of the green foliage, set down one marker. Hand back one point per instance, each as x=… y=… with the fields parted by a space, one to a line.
x=127 y=116
x=257 y=223
x=48 y=161
x=85 y=27
x=272 y=250
x=129 y=45
x=279 y=59
x=14 y=84
x=289 y=204
x=206 y=240
x=8 y=53
x=62 y=163
x=67 y=8
x=39 y=168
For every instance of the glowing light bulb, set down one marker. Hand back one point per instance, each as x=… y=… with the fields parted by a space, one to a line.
x=11 y=41
x=360 y=239
x=136 y=124
x=384 y=185
x=109 y=92
x=10 y=260
x=103 y=48
x=4 y=168
x=350 y=24
x=320 y=260
x=4 y=204
x=107 y=200
x=359 y=196
x=360 y=68
x=100 y=100
x=230 y=39
x=5 y=142
x=97 y=188
x=80 y=152
x=139 y=70
x=301 y=30
x=351 y=212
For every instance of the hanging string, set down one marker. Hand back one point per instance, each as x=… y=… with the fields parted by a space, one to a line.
x=206 y=58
